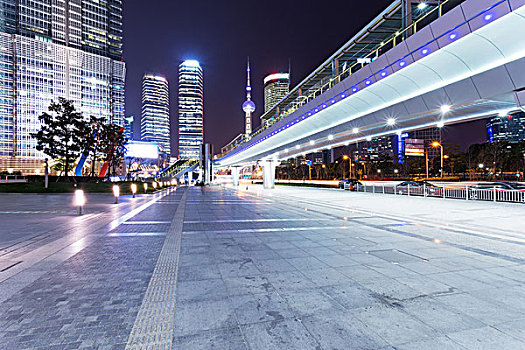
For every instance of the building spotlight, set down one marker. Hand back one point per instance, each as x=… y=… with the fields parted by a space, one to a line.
x=422 y=5
x=390 y=121
x=80 y=200
x=133 y=189
x=116 y=193
x=445 y=109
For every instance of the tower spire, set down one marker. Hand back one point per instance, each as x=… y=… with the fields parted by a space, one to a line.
x=248 y=84
x=248 y=106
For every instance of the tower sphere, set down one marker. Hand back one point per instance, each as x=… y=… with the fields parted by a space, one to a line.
x=248 y=106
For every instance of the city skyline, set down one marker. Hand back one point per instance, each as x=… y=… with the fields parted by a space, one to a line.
x=269 y=42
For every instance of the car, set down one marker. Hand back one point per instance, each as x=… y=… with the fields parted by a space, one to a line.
x=418 y=188
x=353 y=183
x=475 y=191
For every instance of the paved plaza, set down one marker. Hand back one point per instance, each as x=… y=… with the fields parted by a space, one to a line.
x=291 y=268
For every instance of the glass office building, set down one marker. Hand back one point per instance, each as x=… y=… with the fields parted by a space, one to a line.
x=276 y=87
x=70 y=49
x=191 y=131
x=155 y=121
x=509 y=128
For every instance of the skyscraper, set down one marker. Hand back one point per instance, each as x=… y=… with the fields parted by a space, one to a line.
x=128 y=127
x=70 y=49
x=276 y=86
x=248 y=106
x=509 y=128
x=191 y=131
x=155 y=121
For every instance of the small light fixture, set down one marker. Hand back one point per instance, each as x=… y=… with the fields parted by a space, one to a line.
x=80 y=200
x=390 y=121
x=355 y=130
x=440 y=124
x=402 y=64
x=422 y=5
x=312 y=142
x=133 y=189
x=154 y=184
x=330 y=137
x=453 y=36
x=488 y=17
x=425 y=51
x=116 y=193
x=369 y=138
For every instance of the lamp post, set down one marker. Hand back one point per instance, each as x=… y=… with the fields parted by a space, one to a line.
x=437 y=144
x=133 y=189
x=345 y=157
x=116 y=193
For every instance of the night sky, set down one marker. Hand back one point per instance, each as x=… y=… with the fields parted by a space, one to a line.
x=159 y=34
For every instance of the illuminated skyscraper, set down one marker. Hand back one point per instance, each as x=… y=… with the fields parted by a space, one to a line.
x=52 y=49
x=276 y=86
x=128 y=127
x=509 y=128
x=248 y=106
x=191 y=131
x=155 y=121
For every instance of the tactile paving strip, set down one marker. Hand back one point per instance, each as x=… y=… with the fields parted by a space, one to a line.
x=153 y=327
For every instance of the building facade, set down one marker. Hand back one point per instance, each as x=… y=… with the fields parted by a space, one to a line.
x=70 y=49
x=155 y=120
x=276 y=87
x=509 y=128
x=191 y=109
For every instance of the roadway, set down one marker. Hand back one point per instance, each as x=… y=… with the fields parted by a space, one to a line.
x=294 y=268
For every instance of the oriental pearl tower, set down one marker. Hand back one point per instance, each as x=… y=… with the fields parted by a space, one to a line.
x=248 y=106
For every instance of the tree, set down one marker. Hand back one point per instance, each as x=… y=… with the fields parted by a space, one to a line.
x=62 y=133
x=93 y=141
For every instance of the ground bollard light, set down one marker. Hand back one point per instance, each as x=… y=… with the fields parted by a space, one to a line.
x=116 y=193
x=133 y=189
x=80 y=200
x=154 y=185
x=145 y=187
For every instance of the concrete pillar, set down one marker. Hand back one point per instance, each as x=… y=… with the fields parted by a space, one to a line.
x=235 y=176
x=269 y=174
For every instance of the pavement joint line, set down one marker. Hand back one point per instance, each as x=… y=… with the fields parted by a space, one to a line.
x=255 y=220
x=146 y=222
x=154 y=325
x=280 y=229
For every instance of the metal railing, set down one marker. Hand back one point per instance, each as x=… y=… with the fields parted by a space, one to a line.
x=462 y=193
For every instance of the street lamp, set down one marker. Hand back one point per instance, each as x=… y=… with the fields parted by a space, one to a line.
x=437 y=144
x=133 y=189
x=345 y=157
x=80 y=200
x=116 y=193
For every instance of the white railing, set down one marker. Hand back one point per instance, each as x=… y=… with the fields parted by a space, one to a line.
x=464 y=193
